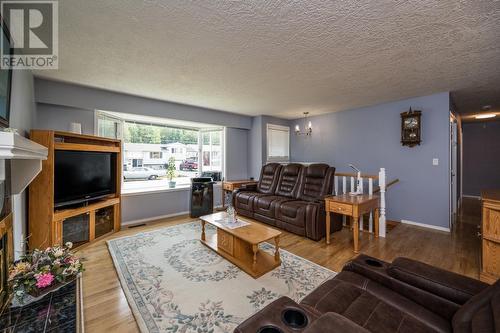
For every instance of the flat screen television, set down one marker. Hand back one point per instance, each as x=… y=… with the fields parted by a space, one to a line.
x=81 y=176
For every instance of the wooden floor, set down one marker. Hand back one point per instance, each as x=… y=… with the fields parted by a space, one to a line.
x=106 y=308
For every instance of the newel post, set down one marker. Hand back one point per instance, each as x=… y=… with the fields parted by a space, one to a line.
x=382 y=185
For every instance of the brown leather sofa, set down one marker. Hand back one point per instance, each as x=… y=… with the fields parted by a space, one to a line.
x=370 y=295
x=289 y=197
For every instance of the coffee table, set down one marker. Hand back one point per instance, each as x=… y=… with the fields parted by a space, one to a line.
x=241 y=245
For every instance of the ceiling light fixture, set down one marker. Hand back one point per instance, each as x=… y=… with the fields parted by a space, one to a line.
x=486 y=116
x=307 y=126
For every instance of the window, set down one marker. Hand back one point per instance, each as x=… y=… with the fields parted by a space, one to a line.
x=149 y=147
x=212 y=150
x=108 y=126
x=155 y=155
x=278 y=143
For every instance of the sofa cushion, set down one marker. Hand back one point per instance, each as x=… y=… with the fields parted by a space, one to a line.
x=372 y=306
x=289 y=180
x=266 y=204
x=244 y=200
x=302 y=217
x=333 y=322
x=316 y=182
x=446 y=284
x=268 y=180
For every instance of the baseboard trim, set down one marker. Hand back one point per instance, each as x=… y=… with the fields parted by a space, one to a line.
x=471 y=196
x=423 y=225
x=154 y=218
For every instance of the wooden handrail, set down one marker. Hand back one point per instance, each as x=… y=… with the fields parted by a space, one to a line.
x=342 y=174
x=392 y=182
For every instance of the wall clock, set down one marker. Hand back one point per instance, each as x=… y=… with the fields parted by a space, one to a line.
x=411 y=128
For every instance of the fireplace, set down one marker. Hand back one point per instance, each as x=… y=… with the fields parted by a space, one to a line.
x=5 y=257
x=6 y=237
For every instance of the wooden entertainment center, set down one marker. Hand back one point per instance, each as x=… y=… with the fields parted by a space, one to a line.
x=49 y=225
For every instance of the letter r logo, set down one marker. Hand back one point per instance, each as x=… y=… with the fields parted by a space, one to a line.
x=31 y=24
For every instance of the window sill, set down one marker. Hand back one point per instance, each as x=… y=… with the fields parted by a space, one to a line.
x=159 y=189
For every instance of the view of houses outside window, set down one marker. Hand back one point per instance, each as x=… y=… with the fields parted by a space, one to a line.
x=147 y=149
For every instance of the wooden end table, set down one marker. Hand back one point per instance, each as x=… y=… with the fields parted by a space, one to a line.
x=353 y=206
x=228 y=186
x=241 y=245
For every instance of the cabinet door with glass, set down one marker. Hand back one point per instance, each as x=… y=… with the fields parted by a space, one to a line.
x=86 y=227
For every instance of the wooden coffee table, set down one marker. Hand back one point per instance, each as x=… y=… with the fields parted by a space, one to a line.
x=241 y=245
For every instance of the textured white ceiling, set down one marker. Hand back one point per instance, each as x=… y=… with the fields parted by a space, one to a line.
x=283 y=57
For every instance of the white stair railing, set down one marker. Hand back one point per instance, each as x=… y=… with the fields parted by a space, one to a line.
x=370 y=179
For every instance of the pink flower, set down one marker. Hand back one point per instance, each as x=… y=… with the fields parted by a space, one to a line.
x=44 y=280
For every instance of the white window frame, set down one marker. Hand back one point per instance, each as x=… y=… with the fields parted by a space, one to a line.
x=223 y=148
x=274 y=127
x=103 y=115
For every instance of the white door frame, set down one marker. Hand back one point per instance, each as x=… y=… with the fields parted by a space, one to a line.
x=453 y=168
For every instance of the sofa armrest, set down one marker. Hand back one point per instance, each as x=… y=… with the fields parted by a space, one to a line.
x=248 y=187
x=378 y=271
x=333 y=322
x=446 y=284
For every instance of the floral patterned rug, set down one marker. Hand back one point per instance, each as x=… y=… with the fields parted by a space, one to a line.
x=174 y=283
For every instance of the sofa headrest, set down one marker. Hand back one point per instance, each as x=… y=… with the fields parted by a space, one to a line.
x=292 y=169
x=270 y=168
x=289 y=180
x=318 y=170
x=269 y=178
x=316 y=182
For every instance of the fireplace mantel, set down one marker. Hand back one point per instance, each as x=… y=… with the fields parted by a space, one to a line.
x=26 y=159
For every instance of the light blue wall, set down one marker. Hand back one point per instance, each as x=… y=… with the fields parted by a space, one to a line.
x=236 y=153
x=255 y=148
x=60 y=104
x=142 y=207
x=258 y=142
x=369 y=137
x=59 y=117
x=481 y=159
x=80 y=97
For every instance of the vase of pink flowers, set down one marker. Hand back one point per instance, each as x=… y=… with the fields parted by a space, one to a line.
x=42 y=271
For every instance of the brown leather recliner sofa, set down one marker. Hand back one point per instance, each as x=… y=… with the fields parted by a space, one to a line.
x=370 y=295
x=289 y=197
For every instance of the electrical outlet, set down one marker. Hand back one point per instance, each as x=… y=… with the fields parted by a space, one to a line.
x=435 y=161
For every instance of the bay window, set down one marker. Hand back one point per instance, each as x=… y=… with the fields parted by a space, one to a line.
x=149 y=144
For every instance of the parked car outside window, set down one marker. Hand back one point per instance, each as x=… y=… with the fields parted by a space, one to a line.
x=143 y=173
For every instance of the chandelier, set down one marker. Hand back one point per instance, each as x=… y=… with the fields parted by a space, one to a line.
x=307 y=126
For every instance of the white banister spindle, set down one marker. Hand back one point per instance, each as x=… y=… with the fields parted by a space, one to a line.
x=352 y=184
x=382 y=185
x=344 y=191
x=360 y=190
x=370 y=192
x=336 y=184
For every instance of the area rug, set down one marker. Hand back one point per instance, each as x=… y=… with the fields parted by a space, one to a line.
x=174 y=283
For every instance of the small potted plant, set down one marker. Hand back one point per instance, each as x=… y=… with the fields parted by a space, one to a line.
x=42 y=271
x=171 y=172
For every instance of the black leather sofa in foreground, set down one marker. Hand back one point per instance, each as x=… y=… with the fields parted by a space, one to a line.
x=370 y=295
